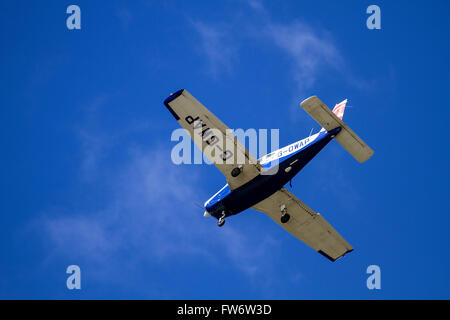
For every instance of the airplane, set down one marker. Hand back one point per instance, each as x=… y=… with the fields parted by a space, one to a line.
x=259 y=184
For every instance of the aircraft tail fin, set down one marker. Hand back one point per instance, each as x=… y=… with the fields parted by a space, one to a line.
x=338 y=110
x=333 y=119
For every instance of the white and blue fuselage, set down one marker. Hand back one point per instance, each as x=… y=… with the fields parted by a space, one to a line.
x=281 y=166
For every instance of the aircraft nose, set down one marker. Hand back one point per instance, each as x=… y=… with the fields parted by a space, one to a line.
x=206 y=214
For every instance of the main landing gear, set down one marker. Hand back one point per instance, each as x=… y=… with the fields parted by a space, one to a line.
x=221 y=221
x=284 y=215
x=236 y=171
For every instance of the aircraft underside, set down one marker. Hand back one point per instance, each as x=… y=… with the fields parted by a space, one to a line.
x=265 y=185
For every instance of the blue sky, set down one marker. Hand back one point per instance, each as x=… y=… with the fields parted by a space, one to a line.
x=86 y=172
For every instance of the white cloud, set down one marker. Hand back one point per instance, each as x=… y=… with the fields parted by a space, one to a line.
x=94 y=143
x=81 y=233
x=151 y=214
x=125 y=17
x=256 y=5
x=310 y=51
x=218 y=47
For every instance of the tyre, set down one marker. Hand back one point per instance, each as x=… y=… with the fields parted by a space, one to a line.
x=285 y=218
x=235 y=172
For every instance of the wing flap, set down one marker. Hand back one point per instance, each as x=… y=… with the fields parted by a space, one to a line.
x=305 y=224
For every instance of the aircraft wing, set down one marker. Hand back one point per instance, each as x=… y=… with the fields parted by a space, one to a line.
x=305 y=224
x=210 y=134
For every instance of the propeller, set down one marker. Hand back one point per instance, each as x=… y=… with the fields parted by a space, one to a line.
x=206 y=213
x=198 y=205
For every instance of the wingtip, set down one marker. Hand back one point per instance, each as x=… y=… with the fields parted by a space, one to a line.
x=173 y=96
x=170 y=98
x=327 y=256
x=334 y=259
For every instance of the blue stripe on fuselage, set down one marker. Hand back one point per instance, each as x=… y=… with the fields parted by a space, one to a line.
x=262 y=186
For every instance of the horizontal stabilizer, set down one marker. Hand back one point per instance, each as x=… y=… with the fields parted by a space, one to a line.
x=327 y=119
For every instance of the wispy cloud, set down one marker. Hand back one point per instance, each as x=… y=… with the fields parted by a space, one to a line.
x=125 y=16
x=218 y=47
x=146 y=194
x=93 y=141
x=150 y=213
x=311 y=52
x=256 y=5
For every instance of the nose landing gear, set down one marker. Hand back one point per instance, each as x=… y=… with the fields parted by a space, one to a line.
x=221 y=221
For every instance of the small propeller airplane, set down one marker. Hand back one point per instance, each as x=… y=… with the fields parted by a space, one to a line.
x=259 y=184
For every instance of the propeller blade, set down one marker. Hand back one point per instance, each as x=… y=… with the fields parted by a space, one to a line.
x=198 y=205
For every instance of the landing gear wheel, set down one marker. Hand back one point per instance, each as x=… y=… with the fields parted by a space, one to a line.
x=221 y=222
x=285 y=218
x=235 y=172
